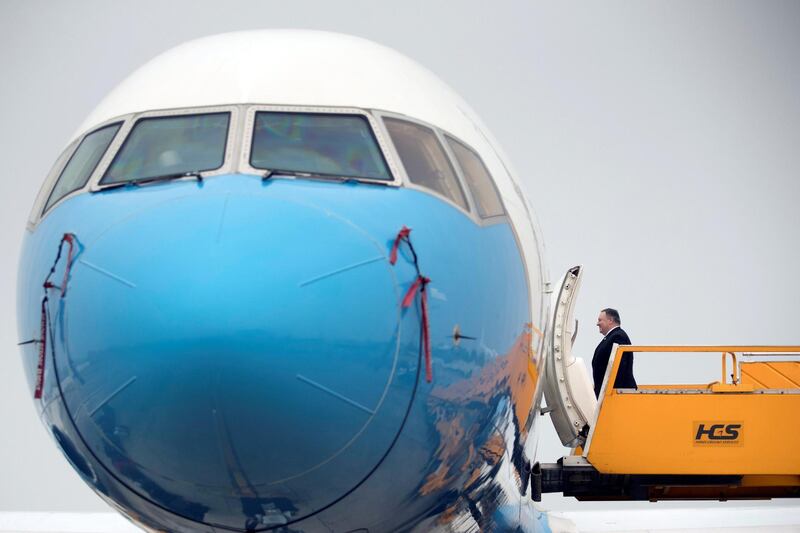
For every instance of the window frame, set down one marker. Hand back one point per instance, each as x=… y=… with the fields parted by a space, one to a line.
x=74 y=147
x=406 y=181
x=442 y=135
x=238 y=148
x=447 y=137
x=380 y=136
x=123 y=134
x=38 y=213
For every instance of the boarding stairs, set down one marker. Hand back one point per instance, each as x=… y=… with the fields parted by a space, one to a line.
x=736 y=438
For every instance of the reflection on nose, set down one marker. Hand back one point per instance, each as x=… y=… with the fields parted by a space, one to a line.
x=237 y=360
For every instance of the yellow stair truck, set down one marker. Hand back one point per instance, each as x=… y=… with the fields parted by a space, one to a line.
x=736 y=438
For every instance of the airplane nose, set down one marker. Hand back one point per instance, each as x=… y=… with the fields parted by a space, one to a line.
x=235 y=359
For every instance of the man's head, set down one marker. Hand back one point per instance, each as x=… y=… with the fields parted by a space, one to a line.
x=608 y=320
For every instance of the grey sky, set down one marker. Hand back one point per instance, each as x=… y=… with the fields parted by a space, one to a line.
x=657 y=141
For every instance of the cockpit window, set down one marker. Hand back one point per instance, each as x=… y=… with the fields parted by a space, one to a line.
x=425 y=160
x=82 y=163
x=478 y=179
x=162 y=146
x=329 y=144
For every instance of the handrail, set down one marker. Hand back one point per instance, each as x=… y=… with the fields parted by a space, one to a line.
x=665 y=348
x=734 y=367
x=754 y=350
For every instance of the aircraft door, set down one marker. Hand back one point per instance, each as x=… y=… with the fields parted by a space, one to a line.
x=568 y=388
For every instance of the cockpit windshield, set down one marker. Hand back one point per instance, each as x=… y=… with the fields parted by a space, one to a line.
x=321 y=144
x=171 y=145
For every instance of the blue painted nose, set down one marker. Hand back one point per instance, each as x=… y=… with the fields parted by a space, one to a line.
x=236 y=359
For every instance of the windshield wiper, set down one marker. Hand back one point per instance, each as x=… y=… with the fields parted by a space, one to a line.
x=169 y=177
x=343 y=178
x=155 y=179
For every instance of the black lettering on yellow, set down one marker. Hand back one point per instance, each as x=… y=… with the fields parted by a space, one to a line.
x=718 y=432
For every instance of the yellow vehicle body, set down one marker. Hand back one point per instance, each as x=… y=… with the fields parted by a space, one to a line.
x=745 y=426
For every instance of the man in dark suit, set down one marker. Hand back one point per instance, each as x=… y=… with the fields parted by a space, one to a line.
x=608 y=322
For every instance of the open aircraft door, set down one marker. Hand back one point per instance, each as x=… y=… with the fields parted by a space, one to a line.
x=568 y=388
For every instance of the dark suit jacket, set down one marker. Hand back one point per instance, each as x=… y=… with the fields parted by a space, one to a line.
x=600 y=362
